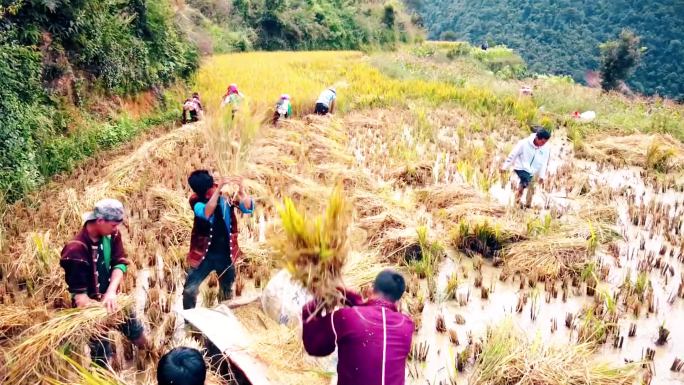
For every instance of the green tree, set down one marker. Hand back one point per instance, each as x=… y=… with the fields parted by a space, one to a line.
x=448 y=36
x=619 y=59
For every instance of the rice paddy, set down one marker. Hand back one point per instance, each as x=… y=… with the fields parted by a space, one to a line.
x=408 y=169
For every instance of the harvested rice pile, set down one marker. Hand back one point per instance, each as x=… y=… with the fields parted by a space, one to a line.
x=36 y=354
x=648 y=151
x=509 y=358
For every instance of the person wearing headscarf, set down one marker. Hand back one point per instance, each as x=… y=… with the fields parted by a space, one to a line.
x=283 y=108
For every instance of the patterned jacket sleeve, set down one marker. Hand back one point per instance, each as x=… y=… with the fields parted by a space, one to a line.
x=76 y=268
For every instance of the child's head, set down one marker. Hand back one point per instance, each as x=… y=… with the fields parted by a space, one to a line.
x=201 y=182
x=182 y=365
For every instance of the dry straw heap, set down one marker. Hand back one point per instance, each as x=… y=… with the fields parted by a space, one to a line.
x=508 y=357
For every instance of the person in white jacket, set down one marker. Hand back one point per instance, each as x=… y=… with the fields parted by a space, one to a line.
x=529 y=157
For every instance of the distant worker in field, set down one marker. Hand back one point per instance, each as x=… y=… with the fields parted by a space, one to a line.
x=326 y=102
x=233 y=97
x=484 y=46
x=94 y=264
x=193 y=107
x=373 y=338
x=283 y=108
x=214 y=238
x=529 y=157
x=182 y=366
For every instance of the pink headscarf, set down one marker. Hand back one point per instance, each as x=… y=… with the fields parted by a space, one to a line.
x=232 y=89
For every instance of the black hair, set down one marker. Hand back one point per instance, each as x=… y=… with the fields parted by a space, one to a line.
x=182 y=365
x=195 y=95
x=200 y=182
x=543 y=134
x=390 y=285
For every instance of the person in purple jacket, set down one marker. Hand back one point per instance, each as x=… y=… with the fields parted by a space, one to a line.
x=373 y=338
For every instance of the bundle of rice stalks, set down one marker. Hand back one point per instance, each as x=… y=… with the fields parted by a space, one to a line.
x=374 y=203
x=35 y=260
x=85 y=376
x=481 y=207
x=606 y=213
x=230 y=137
x=551 y=256
x=37 y=354
x=314 y=250
x=418 y=174
x=659 y=152
x=444 y=196
x=485 y=236
x=508 y=358
x=333 y=174
x=14 y=319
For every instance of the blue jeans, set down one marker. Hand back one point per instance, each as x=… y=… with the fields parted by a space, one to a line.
x=218 y=262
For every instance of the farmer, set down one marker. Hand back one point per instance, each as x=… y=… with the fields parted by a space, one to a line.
x=94 y=265
x=373 y=338
x=233 y=97
x=182 y=366
x=529 y=157
x=193 y=107
x=283 y=108
x=326 y=102
x=214 y=237
x=484 y=46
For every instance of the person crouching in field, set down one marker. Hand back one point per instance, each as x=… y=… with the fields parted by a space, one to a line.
x=234 y=98
x=326 y=102
x=94 y=264
x=214 y=238
x=192 y=107
x=529 y=157
x=283 y=108
x=373 y=338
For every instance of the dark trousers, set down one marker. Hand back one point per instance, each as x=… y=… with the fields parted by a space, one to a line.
x=101 y=347
x=218 y=262
x=321 y=109
x=193 y=116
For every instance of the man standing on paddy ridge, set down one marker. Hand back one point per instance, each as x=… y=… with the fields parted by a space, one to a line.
x=214 y=238
x=94 y=264
x=373 y=338
x=529 y=157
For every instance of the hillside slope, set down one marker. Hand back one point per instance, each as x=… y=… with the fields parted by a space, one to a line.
x=562 y=36
x=223 y=26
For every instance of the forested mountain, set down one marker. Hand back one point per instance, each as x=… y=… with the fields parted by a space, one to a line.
x=562 y=36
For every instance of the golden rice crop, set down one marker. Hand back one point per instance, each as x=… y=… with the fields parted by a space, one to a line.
x=314 y=250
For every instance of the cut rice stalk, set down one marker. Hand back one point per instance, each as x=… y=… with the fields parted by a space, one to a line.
x=314 y=250
x=37 y=354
